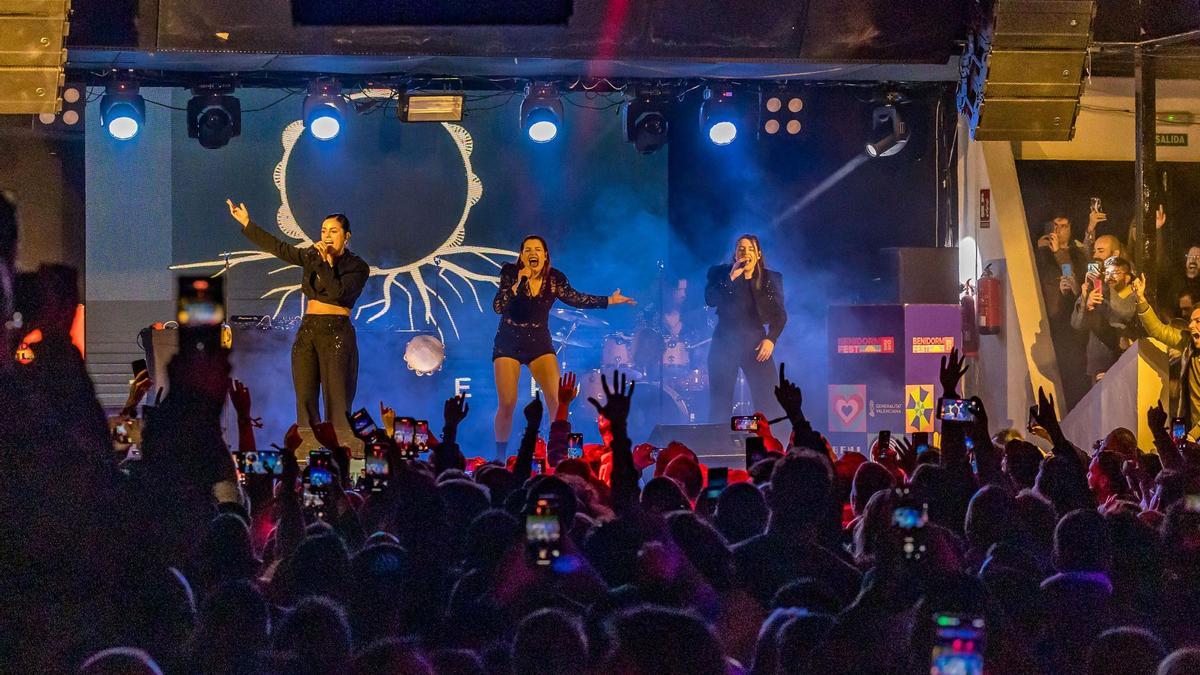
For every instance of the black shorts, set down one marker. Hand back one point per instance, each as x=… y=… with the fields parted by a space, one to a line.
x=522 y=344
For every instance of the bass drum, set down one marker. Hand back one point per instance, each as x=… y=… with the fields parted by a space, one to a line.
x=616 y=352
x=646 y=412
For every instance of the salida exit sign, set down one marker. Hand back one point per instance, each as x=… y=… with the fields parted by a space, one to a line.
x=1171 y=140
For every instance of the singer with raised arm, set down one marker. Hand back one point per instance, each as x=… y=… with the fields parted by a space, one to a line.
x=748 y=296
x=528 y=289
x=325 y=353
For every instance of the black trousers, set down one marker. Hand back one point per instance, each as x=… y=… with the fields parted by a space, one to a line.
x=325 y=359
x=729 y=353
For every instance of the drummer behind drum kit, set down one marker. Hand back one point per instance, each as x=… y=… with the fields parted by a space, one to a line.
x=672 y=385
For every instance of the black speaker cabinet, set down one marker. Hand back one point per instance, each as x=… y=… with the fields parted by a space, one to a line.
x=921 y=276
x=1022 y=71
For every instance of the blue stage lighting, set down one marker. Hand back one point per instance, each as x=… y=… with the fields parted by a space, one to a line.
x=541 y=126
x=325 y=123
x=324 y=109
x=720 y=115
x=122 y=110
x=541 y=112
x=722 y=133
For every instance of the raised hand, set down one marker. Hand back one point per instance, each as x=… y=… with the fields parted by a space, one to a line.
x=1094 y=219
x=239 y=396
x=1160 y=218
x=951 y=371
x=326 y=434
x=238 y=212
x=292 y=440
x=617 y=299
x=616 y=400
x=137 y=391
x=789 y=396
x=567 y=389
x=1044 y=414
x=287 y=458
x=387 y=415
x=1139 y=287
x=1095 y=299
x=533 y=412
x=1156 y=418
x=454 y=410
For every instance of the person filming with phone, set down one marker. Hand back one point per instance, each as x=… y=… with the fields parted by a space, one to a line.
x=1187 y=341
x=1062 y=263
x=1106 y=312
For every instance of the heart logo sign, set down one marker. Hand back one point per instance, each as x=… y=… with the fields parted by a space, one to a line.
x=847 y=407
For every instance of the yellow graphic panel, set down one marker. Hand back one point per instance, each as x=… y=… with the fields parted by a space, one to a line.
x=918 y=408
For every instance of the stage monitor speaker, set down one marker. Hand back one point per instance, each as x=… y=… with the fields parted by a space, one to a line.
x=714 y=444
x=32 y=33
x=922 y=276
x=1022 y=71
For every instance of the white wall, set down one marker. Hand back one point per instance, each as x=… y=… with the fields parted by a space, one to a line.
x=1013 y=364
x=1105 y=128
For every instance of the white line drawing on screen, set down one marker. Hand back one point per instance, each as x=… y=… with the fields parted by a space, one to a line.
x=438 y=259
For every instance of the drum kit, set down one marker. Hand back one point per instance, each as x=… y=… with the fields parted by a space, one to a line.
x=670 y=372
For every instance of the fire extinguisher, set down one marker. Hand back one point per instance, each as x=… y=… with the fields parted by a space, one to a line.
x=970 y=330
x=991 y=303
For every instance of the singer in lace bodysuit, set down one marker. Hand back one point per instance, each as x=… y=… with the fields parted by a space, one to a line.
x=528 y=289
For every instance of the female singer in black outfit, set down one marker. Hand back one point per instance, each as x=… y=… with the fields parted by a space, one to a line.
x=747 y=295
x=527 y=290
x=325 y=353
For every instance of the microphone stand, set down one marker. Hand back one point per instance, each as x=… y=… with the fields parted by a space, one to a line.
x=661 y=330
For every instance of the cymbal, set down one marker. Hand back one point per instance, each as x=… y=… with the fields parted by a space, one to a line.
x=571 y=341
x=577 y=317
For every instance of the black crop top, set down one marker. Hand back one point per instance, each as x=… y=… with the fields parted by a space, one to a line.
x=338 y=285
x=527 y=311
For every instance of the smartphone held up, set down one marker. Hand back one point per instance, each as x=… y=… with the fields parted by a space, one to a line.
x=743 y=423
x=543 y=531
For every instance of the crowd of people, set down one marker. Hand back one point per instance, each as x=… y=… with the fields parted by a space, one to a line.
x=1088 y=288
x=622 y=560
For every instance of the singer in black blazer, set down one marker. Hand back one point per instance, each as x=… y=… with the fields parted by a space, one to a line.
x=750 y=319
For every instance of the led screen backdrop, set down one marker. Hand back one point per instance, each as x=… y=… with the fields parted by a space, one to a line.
x=434 y=208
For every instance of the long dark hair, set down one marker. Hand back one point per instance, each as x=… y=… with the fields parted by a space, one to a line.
x=760 y=266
